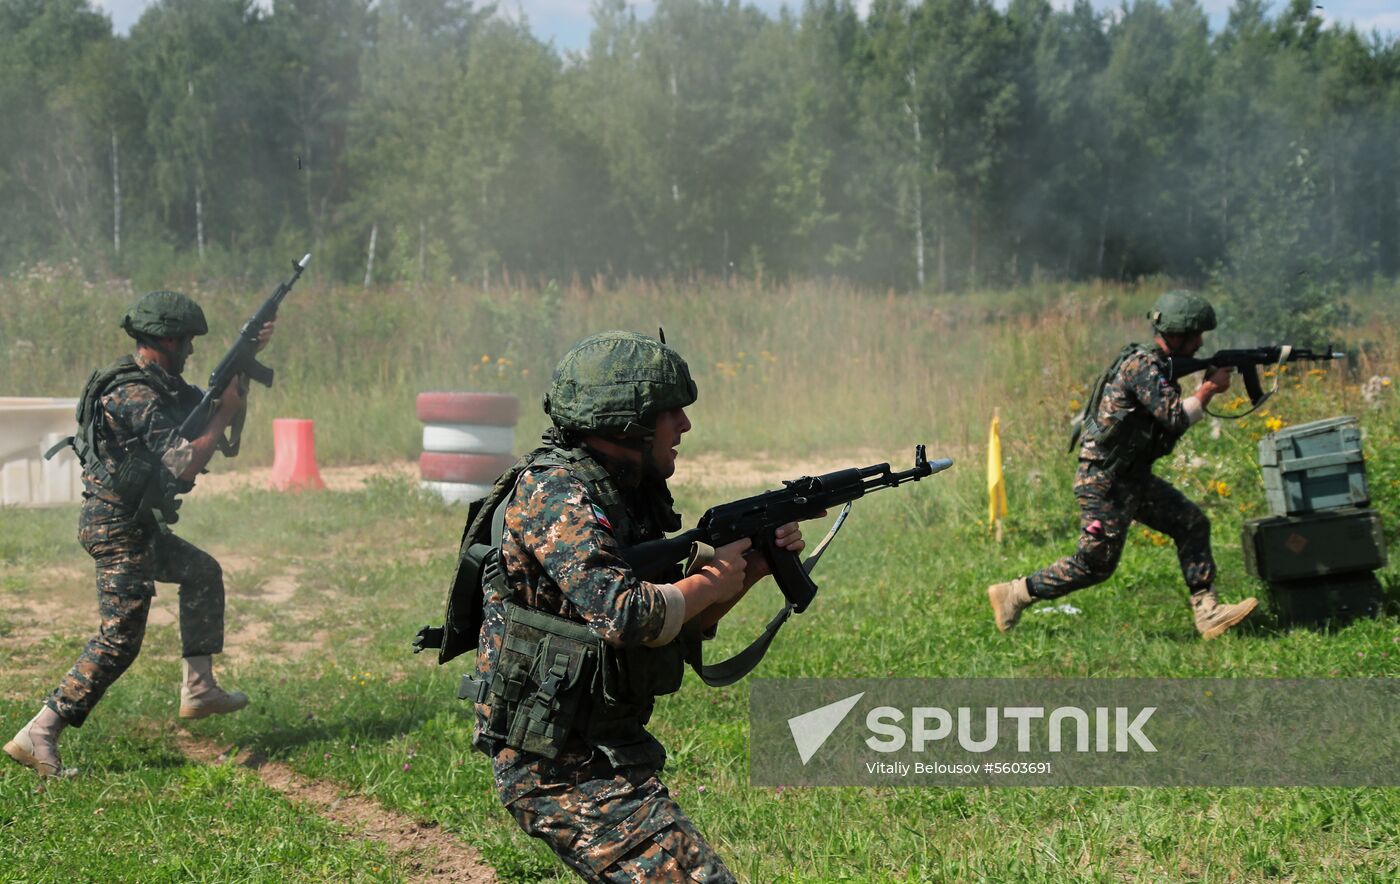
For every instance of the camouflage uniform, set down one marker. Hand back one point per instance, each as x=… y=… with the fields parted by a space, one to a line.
x=1139 y=419
x=132 y=551
x=599 y=803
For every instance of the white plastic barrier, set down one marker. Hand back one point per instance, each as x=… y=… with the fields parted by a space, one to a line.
x=28 y=427
x=468 y=439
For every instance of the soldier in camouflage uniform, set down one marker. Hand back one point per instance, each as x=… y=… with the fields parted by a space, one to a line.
x=134 y=463
x=1135 y=416
x=574 y=647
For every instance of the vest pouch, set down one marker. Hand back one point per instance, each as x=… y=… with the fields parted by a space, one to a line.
x=633 y=676
x=133 y=476
x=1128 y=445
x=542 y=682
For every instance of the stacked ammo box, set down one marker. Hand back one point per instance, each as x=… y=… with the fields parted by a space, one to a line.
x=1320 y=549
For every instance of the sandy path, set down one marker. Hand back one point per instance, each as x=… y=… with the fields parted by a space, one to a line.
x=432 y=855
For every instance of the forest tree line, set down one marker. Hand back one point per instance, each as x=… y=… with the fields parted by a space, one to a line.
x=939 y=144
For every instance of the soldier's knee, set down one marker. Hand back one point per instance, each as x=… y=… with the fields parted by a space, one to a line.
x=1192 y=525
x=119 y=648
x=1197 y=522
x=1099 y=551
x=209 y=570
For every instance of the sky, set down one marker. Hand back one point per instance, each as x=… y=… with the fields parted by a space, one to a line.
x=567 y=22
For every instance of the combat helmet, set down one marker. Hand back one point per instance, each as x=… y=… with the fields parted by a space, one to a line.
x=164 y=315
x=616 y=383
x=1181 y=312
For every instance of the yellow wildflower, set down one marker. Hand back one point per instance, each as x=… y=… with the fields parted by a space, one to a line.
x=1222 y=489
x=1273 y=425
x=485 y=358
x=1074 y=403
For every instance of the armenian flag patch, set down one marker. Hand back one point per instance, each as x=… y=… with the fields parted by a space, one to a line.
x=601 y=517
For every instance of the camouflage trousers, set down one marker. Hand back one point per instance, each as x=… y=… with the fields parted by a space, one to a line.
x=130 y=558
x=1107 y=507
x=606 y=823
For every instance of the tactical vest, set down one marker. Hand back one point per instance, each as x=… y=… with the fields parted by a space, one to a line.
x=139 y=479
x=553 y=677
x=1133 y=439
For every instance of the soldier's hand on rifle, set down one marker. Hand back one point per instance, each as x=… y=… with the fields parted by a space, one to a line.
x=1218 y=380
x=234 y=398
x=265 y=334
x=787 y=537
x=726 y=570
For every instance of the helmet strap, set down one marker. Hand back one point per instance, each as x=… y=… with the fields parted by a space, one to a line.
x=172 y=357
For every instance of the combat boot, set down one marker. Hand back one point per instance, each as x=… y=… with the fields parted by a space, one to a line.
x=1009 y=600
x=1213 y=618
x=36 y=745
x=201 y=696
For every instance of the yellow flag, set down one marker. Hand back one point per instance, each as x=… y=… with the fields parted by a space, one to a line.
x=996 y=483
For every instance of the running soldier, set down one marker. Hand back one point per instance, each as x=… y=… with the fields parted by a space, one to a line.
x=1135 y=415
x=574 y=648
x=134 y=464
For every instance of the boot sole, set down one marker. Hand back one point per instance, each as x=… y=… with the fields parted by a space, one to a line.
x=190 y=712
x=1220 y=628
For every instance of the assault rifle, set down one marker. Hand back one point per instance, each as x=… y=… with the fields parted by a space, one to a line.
x=241 y=359
x=1248 y=362
x=758 y=517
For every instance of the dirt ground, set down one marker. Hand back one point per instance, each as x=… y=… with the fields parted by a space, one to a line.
x=432 y=855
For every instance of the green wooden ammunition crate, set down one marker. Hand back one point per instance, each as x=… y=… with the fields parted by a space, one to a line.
x=1338 y=541
x=1338 y=598
x=1314 y=466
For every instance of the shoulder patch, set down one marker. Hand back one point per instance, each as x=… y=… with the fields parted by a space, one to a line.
x=601 y=518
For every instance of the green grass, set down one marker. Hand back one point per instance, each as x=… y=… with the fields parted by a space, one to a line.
x=140 y=812
x=901 y=596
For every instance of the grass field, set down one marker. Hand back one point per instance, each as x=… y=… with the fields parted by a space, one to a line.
x=325 y=591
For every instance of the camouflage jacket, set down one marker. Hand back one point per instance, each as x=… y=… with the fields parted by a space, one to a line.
x=560 y=549
x=1140 y=414
x=142 y=414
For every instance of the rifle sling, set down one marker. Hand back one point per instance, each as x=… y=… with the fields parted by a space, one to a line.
x=741 y=664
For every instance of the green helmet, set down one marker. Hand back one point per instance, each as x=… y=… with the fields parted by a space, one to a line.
x=617 y=383
x=164 y=315
x=1180 y=312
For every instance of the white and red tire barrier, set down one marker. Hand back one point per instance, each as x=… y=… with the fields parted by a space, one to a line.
x=468 y=441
